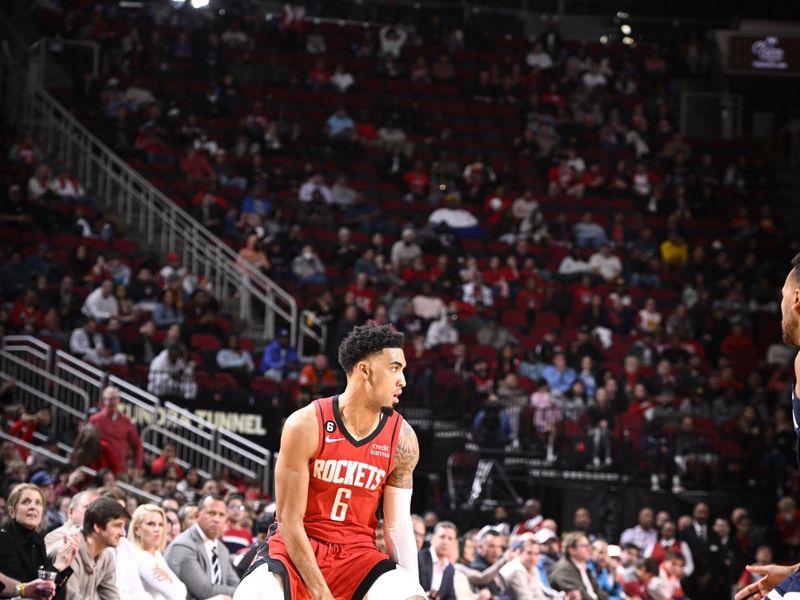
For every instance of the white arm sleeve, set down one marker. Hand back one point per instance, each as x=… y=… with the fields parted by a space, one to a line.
x=398 y=530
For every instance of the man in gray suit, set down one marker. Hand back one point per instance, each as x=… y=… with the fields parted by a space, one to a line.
x=199 y=558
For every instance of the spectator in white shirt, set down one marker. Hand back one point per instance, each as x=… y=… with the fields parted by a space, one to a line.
x=87 y=344
x=476 y=293
x=235 y=361
x=458 y=219
x=606 y=265
x=521 y=573
x=101 y=304
x=405 y=250
x=171 y=375
x=441 y=332
x=148 y=536
x=538 y=57
x=315 y=184
x=649 y=318
x=342 y=195
x=392 y=39
x=594 y=78
x=341 y=79
x=573 y=267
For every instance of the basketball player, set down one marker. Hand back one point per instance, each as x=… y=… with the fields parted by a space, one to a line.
x=783 y=581
x=338 y=456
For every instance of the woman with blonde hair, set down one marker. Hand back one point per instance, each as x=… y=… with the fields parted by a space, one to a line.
x=148 y=536
x=22 y=549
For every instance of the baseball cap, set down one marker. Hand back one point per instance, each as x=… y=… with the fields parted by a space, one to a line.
x=43 y=478
x=544 y=535
x=614 y=551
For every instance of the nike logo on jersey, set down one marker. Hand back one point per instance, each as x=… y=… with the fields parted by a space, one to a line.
x=329 y=439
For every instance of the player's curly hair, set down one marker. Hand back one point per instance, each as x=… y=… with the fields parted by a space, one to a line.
x=365 y=340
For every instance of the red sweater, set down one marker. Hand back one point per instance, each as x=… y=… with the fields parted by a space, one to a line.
x=121 y=436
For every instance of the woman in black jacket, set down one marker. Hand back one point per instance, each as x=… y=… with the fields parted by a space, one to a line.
x=22 y=549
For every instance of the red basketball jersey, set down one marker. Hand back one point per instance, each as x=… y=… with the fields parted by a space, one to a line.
x=347 y=476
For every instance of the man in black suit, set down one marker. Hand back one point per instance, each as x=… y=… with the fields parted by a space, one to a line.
x=435 y=570
x=706 y=550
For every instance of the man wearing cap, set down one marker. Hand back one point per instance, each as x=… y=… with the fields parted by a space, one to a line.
x=280 y=359
x=172 y=268
x=52 y=517
x=550 y=552
x=405 y=250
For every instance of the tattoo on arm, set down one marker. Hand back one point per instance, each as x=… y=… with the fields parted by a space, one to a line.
x=405 y=458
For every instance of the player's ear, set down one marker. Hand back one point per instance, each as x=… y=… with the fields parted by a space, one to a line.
x=363 y=369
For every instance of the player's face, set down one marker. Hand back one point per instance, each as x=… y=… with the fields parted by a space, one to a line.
x=790 y=304
x=385 y=377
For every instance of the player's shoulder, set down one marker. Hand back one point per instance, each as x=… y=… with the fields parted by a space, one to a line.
x=302 y=418
x=300 y=432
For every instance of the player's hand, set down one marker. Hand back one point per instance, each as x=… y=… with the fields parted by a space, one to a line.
x=772 y=576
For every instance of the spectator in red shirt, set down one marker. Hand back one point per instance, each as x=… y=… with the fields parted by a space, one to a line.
x=417 y=180
x=237 y=536
x=365 y=297
x=164 y=460
x=195 y=167
x=493 y=276
x=416 y=274
x=117 y=430
x=26 y=315
x=26 y=426
x=739 y=347
x=318 y=77
x=90 y=451
x=530 y=298
x=562 y=179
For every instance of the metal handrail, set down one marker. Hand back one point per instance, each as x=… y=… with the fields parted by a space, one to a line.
x=39 y=348
x=52 y=380
x=65 y=461
x=143 y=207
x=206 y=446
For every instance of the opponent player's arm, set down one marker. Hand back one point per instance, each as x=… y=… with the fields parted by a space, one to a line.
x=298 y=445
x=397 y=527
x=772 y=574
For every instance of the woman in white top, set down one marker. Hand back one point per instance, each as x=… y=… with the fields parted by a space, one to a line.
x=148 y=535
